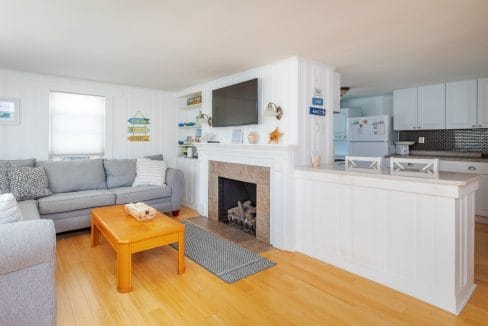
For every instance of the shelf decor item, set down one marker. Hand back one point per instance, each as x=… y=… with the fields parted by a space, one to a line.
x=138 y=127
x=253 y=137
x=9 y=111
x=140 y=211
x=203 y=118
x=274 y=136
x=194 y=100
x=272 y=110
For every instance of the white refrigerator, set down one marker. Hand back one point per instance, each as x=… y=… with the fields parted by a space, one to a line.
x=371 y=136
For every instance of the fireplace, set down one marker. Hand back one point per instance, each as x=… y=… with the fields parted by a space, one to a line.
x=230 y=183
x=237 y=204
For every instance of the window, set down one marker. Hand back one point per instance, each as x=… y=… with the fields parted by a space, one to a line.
x=76 y=125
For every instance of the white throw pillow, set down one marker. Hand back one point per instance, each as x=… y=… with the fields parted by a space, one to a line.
x=9 y=210
x=150 y=173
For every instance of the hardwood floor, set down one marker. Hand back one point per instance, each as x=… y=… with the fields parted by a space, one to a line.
x=298 y=290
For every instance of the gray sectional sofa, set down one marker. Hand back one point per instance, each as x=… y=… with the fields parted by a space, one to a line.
x=80 y=185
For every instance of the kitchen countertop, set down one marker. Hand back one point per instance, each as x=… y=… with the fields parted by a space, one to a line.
x=446 y=156
x=445 y=178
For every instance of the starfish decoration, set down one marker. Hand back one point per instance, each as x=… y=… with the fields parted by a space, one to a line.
x=274 y=136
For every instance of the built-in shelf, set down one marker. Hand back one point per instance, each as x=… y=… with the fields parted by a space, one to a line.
x=194 y=126
x=186 y=145
x=189 y=107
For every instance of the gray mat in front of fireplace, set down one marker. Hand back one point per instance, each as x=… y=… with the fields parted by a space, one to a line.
x=227 y=260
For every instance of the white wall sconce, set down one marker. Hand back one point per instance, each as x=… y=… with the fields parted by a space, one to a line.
x=203 y=118
x=272 y=110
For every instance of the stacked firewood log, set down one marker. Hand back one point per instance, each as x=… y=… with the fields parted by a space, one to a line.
x=243 y=214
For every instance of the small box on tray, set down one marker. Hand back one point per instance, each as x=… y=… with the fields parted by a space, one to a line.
x=140 y=211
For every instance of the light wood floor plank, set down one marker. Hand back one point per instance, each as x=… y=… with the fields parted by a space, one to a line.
x=298 y=290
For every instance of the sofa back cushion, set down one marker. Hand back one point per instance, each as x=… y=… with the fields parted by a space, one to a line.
x=120 y=173
x=77 y=175
x=28 y=163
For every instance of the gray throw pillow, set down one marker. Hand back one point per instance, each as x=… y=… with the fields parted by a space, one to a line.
x=28 y=183
x=4 y=187
x=120 y=173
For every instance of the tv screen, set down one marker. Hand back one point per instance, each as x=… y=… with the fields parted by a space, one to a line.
x=235 y=105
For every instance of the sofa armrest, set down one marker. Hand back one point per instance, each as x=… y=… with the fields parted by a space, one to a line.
x=27 y=273
x=176 y=180
x=25 y=244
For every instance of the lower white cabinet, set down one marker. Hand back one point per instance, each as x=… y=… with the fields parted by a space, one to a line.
x=191 y=170
x=481 y=205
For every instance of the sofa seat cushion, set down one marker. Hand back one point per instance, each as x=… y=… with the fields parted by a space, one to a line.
x=126 y=195
x=70 y=201
x=29 y=210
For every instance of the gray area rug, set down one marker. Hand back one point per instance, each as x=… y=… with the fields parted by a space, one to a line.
x=227 y=260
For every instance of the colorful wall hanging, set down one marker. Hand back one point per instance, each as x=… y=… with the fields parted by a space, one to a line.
x=138 y=127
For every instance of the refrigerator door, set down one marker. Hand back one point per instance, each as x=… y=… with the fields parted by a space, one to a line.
x=372 y=148
x=368 y=129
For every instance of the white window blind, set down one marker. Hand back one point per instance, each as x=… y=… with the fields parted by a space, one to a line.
x=77 y=124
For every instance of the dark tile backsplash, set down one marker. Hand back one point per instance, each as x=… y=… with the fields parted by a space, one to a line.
x=459 y=140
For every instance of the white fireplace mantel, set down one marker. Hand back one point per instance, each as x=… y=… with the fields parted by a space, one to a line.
x=280 y=160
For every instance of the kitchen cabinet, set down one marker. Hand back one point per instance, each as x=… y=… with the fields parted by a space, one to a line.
x=481 y=202
x=431 y=107
x=405 y=109
x=461 y=104
x=483 y=103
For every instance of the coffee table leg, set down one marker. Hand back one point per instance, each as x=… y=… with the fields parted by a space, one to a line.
x=124 y=262
x=181 y=252
x=95 y=234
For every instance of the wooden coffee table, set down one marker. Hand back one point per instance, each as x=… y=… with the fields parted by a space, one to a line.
x=127 y=236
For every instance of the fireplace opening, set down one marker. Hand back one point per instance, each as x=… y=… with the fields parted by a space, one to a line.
x=237 y=204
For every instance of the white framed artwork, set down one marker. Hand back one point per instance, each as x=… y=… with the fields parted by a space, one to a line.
x=237 y=136
x=9 y=111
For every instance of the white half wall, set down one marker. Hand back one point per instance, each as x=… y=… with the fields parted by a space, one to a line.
x=31 y=137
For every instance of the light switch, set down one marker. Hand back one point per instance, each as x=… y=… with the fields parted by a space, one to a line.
x=421 y=140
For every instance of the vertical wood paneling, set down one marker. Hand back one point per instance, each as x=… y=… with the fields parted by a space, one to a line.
x=31 y=137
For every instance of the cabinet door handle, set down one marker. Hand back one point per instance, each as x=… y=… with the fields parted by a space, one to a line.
x=480 y=126
x=472 y=168
x=419 y=127
x=474 y=126
x=414 y=127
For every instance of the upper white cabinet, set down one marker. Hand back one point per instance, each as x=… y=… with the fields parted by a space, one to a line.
x=483 y=103
x=461 y=104
x=405 y=109
x=431 y=107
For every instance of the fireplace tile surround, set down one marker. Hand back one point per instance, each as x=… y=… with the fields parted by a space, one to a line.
x=280 y=160
x=258 y=175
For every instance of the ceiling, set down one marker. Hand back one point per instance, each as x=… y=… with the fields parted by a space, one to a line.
x=377 y=45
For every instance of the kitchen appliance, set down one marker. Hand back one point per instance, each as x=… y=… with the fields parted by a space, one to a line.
x=371 y=136
x=341 y=131
x=402 y=147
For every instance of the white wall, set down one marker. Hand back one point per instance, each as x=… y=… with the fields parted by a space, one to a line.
x=276 y=83
x=372 y=105
x=288 y=83
x=31 y=137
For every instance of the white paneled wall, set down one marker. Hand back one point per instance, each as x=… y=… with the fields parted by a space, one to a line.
x=31 y=137
x=277 y=83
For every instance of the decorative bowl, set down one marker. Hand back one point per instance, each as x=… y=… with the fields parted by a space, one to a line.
x=181 y=124
x=189 y=124
x=181 y=142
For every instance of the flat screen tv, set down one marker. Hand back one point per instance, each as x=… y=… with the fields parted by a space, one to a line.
x=235 y=105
